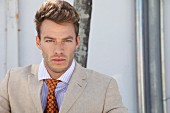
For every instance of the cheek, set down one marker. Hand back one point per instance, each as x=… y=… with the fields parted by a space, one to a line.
x=45 y=56
x=71 y=51
x=45 y=52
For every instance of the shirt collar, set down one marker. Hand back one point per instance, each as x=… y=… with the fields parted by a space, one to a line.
x=43 y=74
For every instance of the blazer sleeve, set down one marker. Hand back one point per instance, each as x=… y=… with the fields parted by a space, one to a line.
x=4 y=99
x=113 y=100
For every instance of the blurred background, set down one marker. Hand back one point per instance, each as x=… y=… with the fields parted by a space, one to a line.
x=126 y=39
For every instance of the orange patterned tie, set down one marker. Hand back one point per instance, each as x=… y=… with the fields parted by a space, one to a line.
x=51 y=106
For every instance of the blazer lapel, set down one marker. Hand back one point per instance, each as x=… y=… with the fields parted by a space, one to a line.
x=75 y=88
x=35 y=88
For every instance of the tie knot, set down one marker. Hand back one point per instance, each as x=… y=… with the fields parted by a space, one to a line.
x=51 y=83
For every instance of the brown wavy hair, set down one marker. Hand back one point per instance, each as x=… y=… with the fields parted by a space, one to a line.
x=58 y=11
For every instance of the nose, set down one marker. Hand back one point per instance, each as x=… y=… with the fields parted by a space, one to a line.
x=59 y=48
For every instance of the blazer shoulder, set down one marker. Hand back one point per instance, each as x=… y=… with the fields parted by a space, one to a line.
x=97 y=76
x=25 y=70
x=20 y=72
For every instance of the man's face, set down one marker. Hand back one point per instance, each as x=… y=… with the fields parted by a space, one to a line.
x=58 y=45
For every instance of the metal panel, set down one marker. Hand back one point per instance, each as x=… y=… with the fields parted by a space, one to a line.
x=140 y=56
x=163 y=56
x=167 y=50
x=150 y=57
x=155 y=57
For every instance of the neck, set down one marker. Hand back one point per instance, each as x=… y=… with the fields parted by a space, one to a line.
x=55 y=75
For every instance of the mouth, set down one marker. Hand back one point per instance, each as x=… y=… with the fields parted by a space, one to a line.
x=58 y=60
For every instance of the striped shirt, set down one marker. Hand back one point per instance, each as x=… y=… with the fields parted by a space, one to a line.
x=61 y=86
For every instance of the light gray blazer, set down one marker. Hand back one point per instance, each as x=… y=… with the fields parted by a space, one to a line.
x=88 y=92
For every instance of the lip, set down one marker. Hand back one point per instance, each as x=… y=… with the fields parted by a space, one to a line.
x=58 y=60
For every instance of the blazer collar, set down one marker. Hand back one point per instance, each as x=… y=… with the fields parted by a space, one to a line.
x=35 y=87
x=75 y=88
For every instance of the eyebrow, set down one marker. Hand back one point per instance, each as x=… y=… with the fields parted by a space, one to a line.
x=68 y=37
x=48 y=37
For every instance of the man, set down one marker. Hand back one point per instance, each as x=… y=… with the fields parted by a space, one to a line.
x=58 y=83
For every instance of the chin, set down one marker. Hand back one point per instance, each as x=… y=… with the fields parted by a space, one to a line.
x=60 y=70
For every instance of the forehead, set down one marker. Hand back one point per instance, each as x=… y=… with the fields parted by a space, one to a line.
x=55 y=30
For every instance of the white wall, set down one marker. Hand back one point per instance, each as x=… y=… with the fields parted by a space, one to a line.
x=28 y=52
x=167 y=46
x=112 y=45
x=2 y=39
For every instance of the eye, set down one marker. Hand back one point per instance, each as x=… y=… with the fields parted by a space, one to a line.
x=68 y=40
x=49 y=40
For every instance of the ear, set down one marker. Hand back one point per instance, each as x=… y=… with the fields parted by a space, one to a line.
x=38 y=42
x=78 y=41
